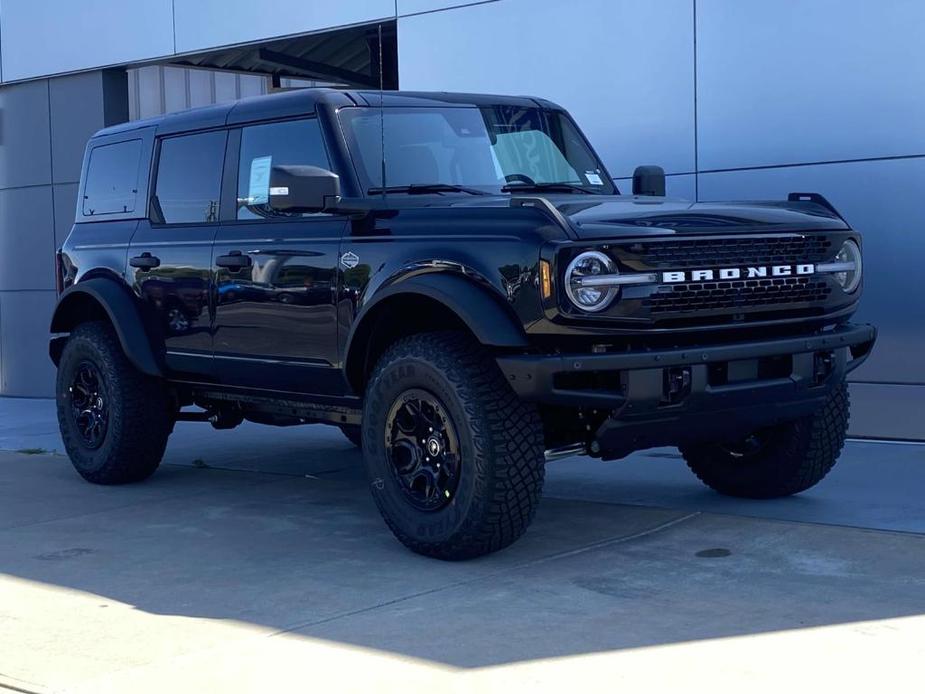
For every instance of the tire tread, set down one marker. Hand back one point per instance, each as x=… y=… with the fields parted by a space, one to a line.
x=802 y=456
x=508 y=440
x=142 y=422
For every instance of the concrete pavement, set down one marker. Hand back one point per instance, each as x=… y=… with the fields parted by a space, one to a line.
x=254 y=560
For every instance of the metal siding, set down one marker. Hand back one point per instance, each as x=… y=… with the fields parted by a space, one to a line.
x=787 y=81
x=55 y=36
x=209 y=23
x=73 y=120
x=25 y=146
x=406 y=7
x=25 y=368
x=890 y=411
x=623 y=68
x=27 y=241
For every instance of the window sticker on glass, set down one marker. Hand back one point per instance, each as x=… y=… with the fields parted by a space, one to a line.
x=258 y=192
x=593 y=178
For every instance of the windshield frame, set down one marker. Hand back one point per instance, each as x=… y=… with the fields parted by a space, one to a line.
x=351 y=146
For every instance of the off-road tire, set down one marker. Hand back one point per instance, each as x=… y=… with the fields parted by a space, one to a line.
x=502 y=464
x=353 y=433
x=139 y=419
x=794 y=457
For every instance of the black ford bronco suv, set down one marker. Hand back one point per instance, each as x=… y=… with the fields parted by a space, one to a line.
x=455 y=281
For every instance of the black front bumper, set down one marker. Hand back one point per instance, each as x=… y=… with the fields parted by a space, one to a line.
x=673 y=396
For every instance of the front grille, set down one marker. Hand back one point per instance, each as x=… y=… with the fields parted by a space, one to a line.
x=736 y=295
x=679 y=254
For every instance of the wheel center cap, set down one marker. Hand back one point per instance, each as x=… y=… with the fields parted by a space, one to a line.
x=434 y=446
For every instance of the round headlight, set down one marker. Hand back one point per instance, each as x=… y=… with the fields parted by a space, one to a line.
x=850 y=255
x=586 y=295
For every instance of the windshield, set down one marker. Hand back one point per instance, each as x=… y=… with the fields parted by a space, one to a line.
x=471 y=150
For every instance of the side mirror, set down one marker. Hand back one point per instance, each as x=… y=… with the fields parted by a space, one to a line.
x=303 y=188
x=649 y=180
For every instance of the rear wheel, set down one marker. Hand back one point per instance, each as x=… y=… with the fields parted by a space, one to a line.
x=455 y=459
x=778 y=461
x=114 y=420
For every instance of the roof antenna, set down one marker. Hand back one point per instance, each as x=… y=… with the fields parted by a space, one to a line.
x=381 y=113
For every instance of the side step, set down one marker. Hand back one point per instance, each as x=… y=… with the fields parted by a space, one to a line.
x=307 y=411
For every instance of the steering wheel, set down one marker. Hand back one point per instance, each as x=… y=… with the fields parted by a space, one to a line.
x=519 y=178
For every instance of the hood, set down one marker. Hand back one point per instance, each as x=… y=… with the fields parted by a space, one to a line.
x=621 y=215
x=611 y=216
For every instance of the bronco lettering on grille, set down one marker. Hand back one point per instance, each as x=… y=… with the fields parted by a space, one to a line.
x=736 y=273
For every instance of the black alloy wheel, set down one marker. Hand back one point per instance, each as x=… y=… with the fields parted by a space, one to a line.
x=423 y=449
x=89 y=404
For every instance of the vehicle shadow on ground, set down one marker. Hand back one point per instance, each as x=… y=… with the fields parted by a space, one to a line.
x=301 y=550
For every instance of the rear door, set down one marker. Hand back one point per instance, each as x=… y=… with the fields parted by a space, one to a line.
x=170 y=257
x=276 y=272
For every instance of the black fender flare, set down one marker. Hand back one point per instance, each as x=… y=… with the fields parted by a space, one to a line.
x=123 y=312
x=480 y=308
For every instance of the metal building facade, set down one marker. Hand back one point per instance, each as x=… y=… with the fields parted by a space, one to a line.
x=736 y=100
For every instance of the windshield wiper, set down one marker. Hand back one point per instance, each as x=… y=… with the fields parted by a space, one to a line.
x=424 y=188
x=547 y=187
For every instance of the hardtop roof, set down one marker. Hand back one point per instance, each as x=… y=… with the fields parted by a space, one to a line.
x=304 y=101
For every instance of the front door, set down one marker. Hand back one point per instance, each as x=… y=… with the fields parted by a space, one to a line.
x=276 y=273
x=170 y=257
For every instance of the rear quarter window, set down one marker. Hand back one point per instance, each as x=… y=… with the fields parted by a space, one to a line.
x=111 y=186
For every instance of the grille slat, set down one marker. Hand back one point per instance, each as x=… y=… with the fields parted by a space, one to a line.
x=728 y=252
x=737 y=295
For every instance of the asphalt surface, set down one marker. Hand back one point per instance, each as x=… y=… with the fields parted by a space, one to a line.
x=254 y=560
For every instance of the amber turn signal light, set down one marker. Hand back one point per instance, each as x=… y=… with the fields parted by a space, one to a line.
x=545 y=279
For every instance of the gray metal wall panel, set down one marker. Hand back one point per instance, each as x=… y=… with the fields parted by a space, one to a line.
x=65 y=206
x=680 y=186
x=25 y=368
x=27 y=238
x=25 y=150
x=176 y=89
x=55 y=36
x=76 y=113
x=406 y=7
x=585 y=60
x=208 y=23
x=883 y=200
x=226 y=87
x=887 y=411
x=787 y=81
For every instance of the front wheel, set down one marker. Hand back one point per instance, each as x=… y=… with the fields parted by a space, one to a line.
x=455 y=459
x=114 y=420
x=778 y=461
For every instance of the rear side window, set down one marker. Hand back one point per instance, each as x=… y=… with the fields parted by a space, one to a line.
x=112 y=179
x=269 y=145
x=189 y=179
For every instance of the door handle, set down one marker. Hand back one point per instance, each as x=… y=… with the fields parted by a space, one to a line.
x=145 y=261
x=234 y=259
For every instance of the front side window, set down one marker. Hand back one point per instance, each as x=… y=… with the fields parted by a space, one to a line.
x=112 y=178
x=489 y=149
x=274 y=144
x=189 y=178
